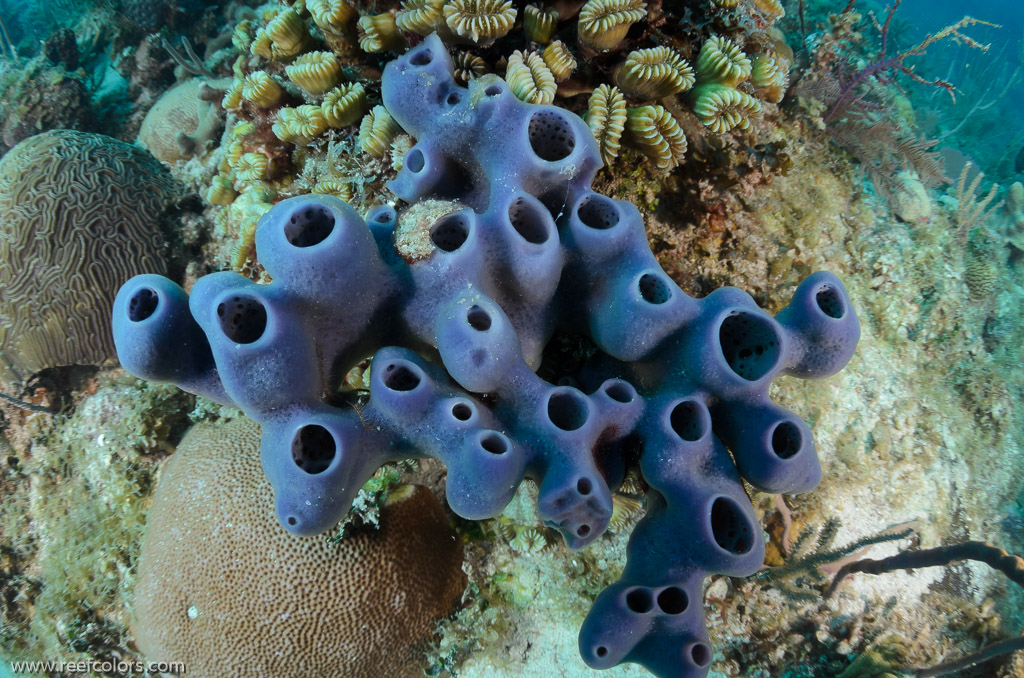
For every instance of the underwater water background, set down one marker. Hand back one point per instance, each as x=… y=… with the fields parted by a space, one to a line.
x=913 y=198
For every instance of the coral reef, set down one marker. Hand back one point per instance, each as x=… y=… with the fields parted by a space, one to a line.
x=83 y=213
x=486 y=285
x=208 y=595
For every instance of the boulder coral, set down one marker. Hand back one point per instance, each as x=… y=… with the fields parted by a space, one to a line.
x=223 y=589
x=82 y=213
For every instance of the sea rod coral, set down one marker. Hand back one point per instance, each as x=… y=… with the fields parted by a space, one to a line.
x=515 y=246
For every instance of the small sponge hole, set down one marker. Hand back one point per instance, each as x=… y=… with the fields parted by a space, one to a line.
x=142 y=304
x=786 y=440
x=829 y=301
x=700 y=654
x=421 y=58
x=529 y=221
x=568 y=410
x=673 y=600
x=309 y=226
x=414 y=160
x=494 y=442
x=242 y=319
x=597 y=211
x=730 y=527
x=620 y=392
x=450 y=232
x=750 y=345
x=478 y=318
x=689 y=420
x=401 y=377
x=462 y=411
x=551 y=137
x=639 y=600
x=653 y=289
x=313 y=449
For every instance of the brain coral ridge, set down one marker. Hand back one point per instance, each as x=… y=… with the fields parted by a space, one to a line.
x=528 y=247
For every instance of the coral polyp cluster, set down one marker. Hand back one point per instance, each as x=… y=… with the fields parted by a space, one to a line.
x=503 y=243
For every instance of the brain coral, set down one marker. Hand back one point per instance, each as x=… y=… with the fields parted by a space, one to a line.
x=211 y=535
x=81 y=216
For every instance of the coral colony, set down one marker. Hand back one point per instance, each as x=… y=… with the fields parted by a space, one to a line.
x=455 y=299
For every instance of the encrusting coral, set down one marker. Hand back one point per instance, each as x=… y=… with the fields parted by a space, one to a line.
x=494 y=279
x=224 y=590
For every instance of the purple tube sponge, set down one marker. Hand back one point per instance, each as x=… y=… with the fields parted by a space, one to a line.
x=457 y=330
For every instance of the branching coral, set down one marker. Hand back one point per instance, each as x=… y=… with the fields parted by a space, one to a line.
x=252 y=167
x=722 y=62
x=721 y=66
x=606 y=117
x=331 y=15
x=769 y=77
x=288 y=35
x=654 y=73
x=469 y=66
x=530 y=78
x=603 y=24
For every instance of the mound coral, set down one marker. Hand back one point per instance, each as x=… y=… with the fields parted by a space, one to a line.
x=82 y=213
x=183 y=120
x=519 y=246
x=378 y=593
